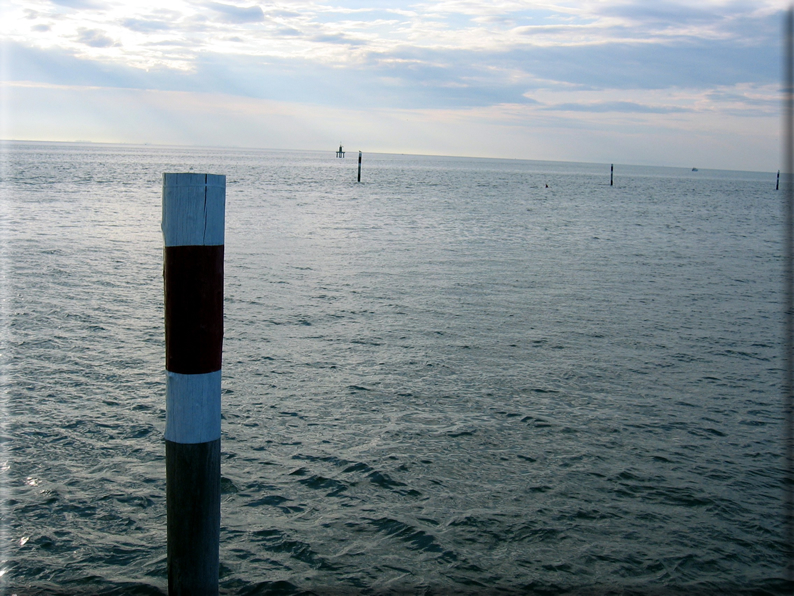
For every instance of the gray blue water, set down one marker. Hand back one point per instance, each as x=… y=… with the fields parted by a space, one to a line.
x=447 y=379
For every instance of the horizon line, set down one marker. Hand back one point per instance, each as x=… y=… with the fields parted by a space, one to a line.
x=275 y=149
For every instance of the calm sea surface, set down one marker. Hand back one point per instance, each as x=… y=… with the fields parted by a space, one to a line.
x=446 y=379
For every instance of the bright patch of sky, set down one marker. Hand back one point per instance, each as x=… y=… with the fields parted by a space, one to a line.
x=651 y=66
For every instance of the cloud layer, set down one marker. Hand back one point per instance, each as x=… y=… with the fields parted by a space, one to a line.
x=558 y=60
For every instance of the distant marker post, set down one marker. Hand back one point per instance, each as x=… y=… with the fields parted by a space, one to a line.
x=359 y=166
x=777 y=182
x=611 y=173
x=194 y=208
x=788 y=213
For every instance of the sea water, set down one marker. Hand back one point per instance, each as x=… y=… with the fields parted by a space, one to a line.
x=457 y=376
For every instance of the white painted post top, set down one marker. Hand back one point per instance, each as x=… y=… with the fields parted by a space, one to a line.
x=194 y=209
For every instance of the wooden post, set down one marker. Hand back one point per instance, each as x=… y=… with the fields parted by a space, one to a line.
x=777 y=182
x=194 y=208
x=788 y=306
x=611 y=171
x=359 y=166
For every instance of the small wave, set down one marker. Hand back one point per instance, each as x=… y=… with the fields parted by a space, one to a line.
x=276 y=541
x=416 y=539
x=334 y=487
x=532 y=533
x=227 y=486
x=357 y=388
x=537 y=422
x=359 y=467
x=383 y=480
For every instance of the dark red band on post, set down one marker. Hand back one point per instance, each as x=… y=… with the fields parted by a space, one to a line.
x=193 y=309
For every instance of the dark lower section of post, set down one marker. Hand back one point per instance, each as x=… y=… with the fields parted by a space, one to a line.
x=193 y=495
x=611 y=173
x=359 y=166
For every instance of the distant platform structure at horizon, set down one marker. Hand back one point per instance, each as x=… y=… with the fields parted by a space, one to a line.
x=341 y=152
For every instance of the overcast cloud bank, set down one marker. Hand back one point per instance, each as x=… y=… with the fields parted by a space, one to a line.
x=679 y=75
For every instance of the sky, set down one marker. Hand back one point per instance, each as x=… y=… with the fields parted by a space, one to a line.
x=692 y=84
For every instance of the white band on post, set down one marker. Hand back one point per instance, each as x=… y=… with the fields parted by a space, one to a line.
x=192 y=407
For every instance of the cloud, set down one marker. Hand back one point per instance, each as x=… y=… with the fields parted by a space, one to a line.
x=60 y=67
x=85 y=4
x=648 y=65
x=418 y=77
x=287 y=32
x=661 y=11
x=94 y=38
x=583 y=63
x=237 y=14
x=763 y=101
x=396 y=83
x=171 y=43
x=338 y=38
x=627 y=107
x=125 y=115
x=628 y=44
x=283 y=13
x=145 y=25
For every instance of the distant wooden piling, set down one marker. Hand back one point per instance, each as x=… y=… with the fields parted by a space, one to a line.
x=788 y=304
x=194 y=208
x=359 y=166
x=777 y=182
x=611 y=173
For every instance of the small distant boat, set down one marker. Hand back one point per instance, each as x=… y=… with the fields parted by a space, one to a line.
x=694 y=169
x=341 y=152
